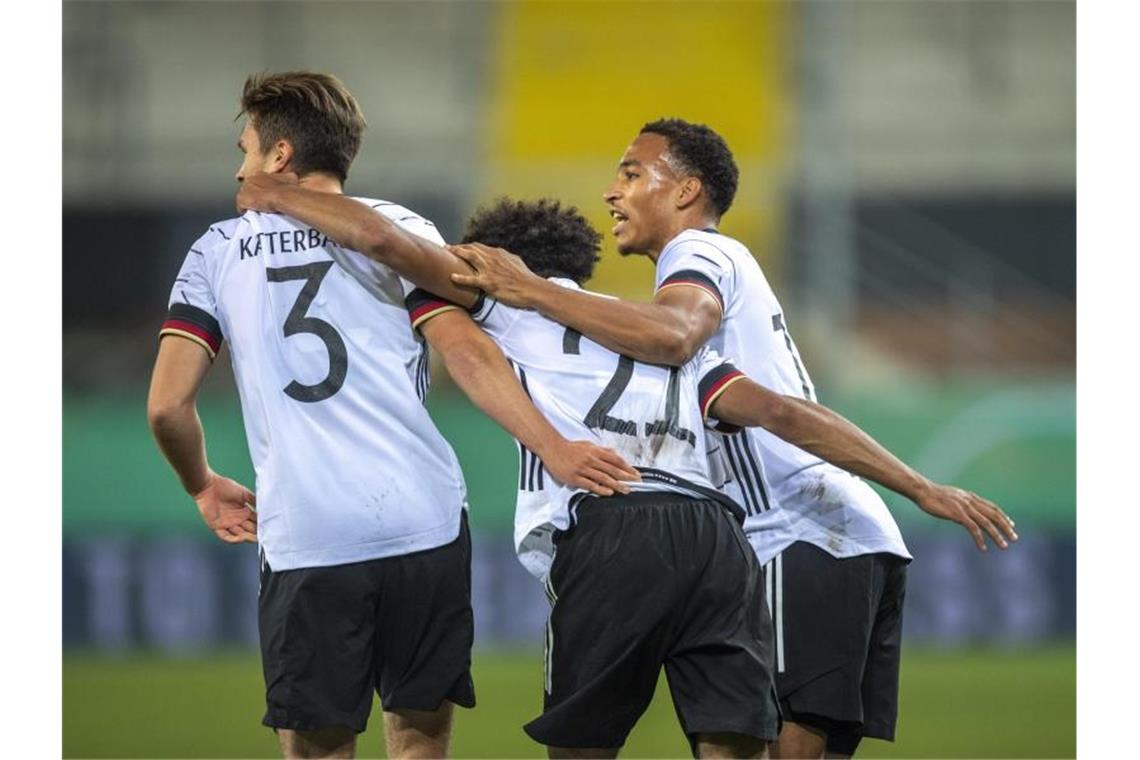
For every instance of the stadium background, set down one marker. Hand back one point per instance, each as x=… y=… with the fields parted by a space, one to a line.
x=908 y=184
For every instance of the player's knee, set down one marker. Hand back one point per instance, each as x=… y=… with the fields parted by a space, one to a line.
x=798 y=741
x=338 y=741
x=726 y=745
x=418 y=733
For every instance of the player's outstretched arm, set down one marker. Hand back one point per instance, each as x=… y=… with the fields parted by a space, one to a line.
x=835 y=439
x=225 y=505
x=668 y=331
x=481 y=371
x=354 y=225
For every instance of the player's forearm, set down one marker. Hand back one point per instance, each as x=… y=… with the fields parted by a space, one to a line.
x=358 y=227
x=643 y=331
x=820 y=431
x=348 y=222
x=178 y=432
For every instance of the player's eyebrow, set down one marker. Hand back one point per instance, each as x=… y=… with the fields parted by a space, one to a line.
x=628 y=163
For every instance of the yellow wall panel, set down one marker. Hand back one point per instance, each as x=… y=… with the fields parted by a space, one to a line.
x=573 y=82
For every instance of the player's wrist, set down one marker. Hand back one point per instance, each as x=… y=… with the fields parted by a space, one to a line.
x=200 y=486
x=535 y=290
x=922 y=490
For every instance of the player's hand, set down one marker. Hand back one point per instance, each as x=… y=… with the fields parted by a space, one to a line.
x=258 y=192
x=228 y=507
x=498 y=273
x=977 y=515
x=582 y=464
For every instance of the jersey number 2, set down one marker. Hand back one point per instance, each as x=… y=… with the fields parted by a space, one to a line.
x=599 y=414
x=296 y=322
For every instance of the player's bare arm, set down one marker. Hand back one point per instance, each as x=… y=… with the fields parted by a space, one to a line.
x=668 y=331
x=358 y=227
x=227 y=507
x=833 y=438
x=480 y=370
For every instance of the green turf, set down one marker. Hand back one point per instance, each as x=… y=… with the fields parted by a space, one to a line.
x=954 y=704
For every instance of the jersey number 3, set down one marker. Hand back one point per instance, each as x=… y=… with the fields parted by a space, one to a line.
x=296 y=322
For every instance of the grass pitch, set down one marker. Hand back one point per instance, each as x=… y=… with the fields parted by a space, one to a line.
x=953 y=704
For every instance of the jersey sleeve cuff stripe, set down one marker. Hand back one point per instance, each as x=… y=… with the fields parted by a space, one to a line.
x=693 y=280
x=426 y=311
x=184 y=330
x=718 y=387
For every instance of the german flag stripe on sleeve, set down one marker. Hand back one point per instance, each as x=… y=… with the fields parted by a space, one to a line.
x=715 y=383
x=693 y=279
x=422 y=306
x=195 y=324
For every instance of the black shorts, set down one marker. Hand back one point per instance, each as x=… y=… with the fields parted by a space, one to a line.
x=646 y=580
x=401 y=626
x=838 y=632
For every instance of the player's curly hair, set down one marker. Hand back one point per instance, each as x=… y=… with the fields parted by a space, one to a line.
x=315 y=112
x=553 y=241
x=704 y=154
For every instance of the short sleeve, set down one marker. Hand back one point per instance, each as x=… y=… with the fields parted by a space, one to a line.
x=697 y=263
x=489 y=314
x=422 y=305
x=193 y=312
x=715 y=374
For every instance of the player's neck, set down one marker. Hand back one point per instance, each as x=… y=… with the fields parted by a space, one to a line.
x=322 y=183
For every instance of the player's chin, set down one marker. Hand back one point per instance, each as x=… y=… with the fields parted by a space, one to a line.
x=626 y=248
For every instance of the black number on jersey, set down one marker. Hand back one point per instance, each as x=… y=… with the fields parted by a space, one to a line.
x=599 y=414
x=669 y=426
x=779 y=326
x=296 y=322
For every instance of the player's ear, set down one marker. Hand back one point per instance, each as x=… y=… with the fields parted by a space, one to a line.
x=688 y=192
x=282 y=156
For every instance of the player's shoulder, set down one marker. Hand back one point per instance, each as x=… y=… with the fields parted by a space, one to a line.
x=397 y=212
x=709 y=244
x=221 y=234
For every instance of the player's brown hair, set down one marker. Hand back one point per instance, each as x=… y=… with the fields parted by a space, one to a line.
x=315 y=112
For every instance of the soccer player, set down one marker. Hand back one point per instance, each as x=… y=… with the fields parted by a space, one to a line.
x=361 y=517
x=836 y=559
x=558 y=370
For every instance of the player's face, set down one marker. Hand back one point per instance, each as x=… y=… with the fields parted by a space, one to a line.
x=254 y=159
x=642 y=196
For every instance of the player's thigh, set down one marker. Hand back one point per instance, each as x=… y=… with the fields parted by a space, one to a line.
x=823 y=612
x=316 y=628
x=881 y=674
x=720 y=664
x=329 y=742
x=425 y=628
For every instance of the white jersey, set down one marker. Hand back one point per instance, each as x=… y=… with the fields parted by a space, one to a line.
x=653 y=416
x=790 y=495
x=349 y=465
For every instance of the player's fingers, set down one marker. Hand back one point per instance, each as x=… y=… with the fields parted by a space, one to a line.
x=464 y=251
x=968 y=523
x=250 y=498
x=995 y=508
x=616 y=472
x=467 y=280
x=598 y=489
x=624 y=470
x=604 y=479
x=991 y=529
x=998 y=518
x=228 y=537
x=249 y=526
